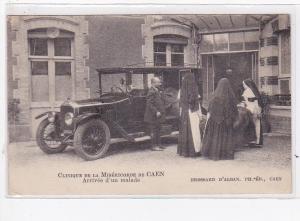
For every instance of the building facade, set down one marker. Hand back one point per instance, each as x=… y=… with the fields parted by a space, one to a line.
x=53 y=58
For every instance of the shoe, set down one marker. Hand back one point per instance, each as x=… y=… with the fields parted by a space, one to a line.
x=258 y=145
x=156 y=149
x=162 y=147
x=254 y=145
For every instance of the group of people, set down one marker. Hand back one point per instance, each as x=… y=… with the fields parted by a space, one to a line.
x=208 y=133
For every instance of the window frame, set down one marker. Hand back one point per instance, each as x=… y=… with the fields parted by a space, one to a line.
x=168 y=53
x=51 y=59
x=214 y=51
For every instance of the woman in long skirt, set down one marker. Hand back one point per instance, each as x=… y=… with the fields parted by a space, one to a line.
x=254 y=104
x=218 y=138
x=189 y=141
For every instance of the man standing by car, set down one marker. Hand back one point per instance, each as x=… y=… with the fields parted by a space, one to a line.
x=155 y=113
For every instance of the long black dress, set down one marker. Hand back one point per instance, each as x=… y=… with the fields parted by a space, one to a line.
x=189 y=141
x=218 y=143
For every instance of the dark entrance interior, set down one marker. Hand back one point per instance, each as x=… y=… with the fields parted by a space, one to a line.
x=242 y=65
x=172 y=79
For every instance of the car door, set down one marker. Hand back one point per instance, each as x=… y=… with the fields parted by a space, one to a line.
x=137 y=110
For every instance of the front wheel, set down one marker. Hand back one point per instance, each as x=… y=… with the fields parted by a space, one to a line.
x=47 y=138
x=92 y=139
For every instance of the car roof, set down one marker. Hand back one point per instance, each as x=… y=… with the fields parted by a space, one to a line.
x=144 y=70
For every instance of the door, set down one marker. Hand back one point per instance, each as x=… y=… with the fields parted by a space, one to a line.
x=241 y=64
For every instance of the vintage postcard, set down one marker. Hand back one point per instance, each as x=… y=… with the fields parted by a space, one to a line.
x=149 y=104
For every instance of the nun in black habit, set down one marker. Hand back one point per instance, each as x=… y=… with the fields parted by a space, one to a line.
x=189 y=141
x=218 y=143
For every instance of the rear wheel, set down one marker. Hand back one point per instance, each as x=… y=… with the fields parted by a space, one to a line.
x=47 y=139
x=92 y=139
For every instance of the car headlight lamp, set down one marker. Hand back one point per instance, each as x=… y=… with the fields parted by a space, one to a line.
x=69 y=118
x=51 y=116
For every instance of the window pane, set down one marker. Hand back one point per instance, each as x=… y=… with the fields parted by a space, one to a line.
x=160 y=59
x=251 y=40
x=207 y=43
x=39 y=81
x=285 y=87
x=177 y=60
x=160 y=47
x=63 y=81
x=62 y=47
x=221 y=42
x=236 y=41
x=285 y=54
x=38 y=46
x=204 y=61
x=62 y=68
x=39 y=68
x=177 y=48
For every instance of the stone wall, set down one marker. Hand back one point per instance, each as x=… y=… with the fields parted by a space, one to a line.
x=158 y=26
x=114 y=41
x=280 y=119
x=19 y=77
x=274 y=56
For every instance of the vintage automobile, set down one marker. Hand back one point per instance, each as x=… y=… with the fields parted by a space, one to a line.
x=92 y=125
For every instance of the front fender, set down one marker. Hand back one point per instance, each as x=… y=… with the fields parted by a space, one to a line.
x=46 y=113
x=86 y=117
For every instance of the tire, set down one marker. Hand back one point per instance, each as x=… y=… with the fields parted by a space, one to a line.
x=92 y=139
x=40 y=139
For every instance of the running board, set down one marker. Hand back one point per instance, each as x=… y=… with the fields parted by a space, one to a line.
x=139 y=139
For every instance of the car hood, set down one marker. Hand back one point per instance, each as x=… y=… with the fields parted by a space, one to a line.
x=88 y=101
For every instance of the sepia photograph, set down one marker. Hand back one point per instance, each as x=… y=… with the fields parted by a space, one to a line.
x=149 y=105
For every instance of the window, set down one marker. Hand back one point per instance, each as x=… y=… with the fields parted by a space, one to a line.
x=221 y=42
x=207 y=43
x=285 y=57
x=160 y=54
x=177 y=55
x=51 y=62
x=231 y=41
x=272 y=80
x=262 y=61
x=251 y=40
x=285 y=86
x=236 y=42
x=273 y=40
x=38 y=46
x=166 y=54
x=272 y=60
x=63 y=83
x=39 y=80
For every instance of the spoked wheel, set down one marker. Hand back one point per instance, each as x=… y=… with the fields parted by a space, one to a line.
x=47 y=139
x=92 y=139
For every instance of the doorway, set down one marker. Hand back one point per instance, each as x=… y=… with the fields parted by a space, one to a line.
x=242 y=65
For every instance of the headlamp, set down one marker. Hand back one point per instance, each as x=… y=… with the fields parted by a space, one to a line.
x=69 y=118
x=51 y=116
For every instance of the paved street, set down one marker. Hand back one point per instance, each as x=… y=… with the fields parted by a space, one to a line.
x=27 y=162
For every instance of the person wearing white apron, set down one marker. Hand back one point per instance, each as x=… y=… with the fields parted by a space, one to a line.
x=253 y=103
x=189 y=141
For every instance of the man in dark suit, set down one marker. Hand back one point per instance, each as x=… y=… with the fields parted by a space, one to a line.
x=155 y=113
